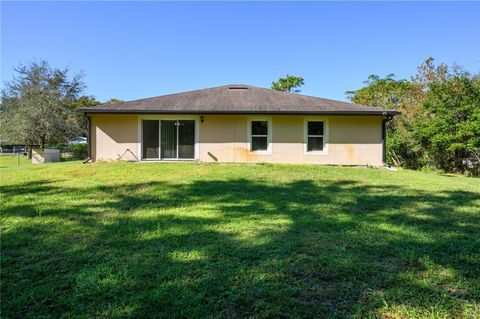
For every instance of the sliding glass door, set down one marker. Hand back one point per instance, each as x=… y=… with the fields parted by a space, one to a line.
x=151 y=138
x=186 y=139
x=168 y=139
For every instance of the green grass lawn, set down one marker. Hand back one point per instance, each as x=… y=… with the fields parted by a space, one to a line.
x=189 y=240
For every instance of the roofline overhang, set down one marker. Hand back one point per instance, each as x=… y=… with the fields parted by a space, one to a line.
x=103 y=111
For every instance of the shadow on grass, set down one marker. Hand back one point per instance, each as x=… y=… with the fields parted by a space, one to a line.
x=238 y=248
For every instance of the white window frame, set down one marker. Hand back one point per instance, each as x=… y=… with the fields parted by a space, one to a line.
x=168 y=117
x=268 y=151
x=325 y=135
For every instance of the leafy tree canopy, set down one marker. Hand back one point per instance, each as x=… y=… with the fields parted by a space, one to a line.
x=439 y=124
x=39 y=105
x=112 y=100
x=289 y=83
x=450 y=131
x=386 y=92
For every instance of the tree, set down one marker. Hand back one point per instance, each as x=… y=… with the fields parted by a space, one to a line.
x=81 y=102
x=400 y=95
x=112 y=100
x=288 y=84
x=38 y=105
x=450 y=130
x=428 y=72
x=385 y=92
x=439 y=125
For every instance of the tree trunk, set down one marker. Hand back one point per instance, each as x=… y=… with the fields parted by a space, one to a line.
x=395 y=159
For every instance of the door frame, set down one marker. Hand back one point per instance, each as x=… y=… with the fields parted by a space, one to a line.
x=169 y=117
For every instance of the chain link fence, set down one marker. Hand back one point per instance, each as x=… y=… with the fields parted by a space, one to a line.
x=68 y=152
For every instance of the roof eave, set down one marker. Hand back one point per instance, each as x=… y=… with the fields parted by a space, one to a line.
x=105 y=111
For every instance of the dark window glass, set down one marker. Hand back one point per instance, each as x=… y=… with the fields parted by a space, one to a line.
x=315 y=128
x=259 y=143
x=150 y=139
x=186 y=139
x=169 y=139
x=259 y=127
x=315 y=143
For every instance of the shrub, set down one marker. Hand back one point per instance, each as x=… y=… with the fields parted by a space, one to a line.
x=79 y=151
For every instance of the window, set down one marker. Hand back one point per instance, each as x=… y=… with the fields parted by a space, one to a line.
x=259 y=132
x=316 y=136
x=259 y=136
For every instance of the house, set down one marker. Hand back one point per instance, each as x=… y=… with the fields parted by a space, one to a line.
x=238 y=123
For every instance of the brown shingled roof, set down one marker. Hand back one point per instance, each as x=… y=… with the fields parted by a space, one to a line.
x=237 y=98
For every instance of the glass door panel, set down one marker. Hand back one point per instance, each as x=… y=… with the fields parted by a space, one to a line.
x=150 y=139
x=168 y=136
x=186 y=139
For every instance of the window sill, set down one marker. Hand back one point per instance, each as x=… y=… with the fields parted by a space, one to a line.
x=315 y=153
x=259 y=153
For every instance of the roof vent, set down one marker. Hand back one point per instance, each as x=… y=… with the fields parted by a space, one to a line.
x=237 y=87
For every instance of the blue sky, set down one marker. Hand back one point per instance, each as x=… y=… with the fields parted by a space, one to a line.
x=130 y=50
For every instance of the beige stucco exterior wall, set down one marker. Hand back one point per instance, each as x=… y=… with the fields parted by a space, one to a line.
x=352 y=140
x=114 y=135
